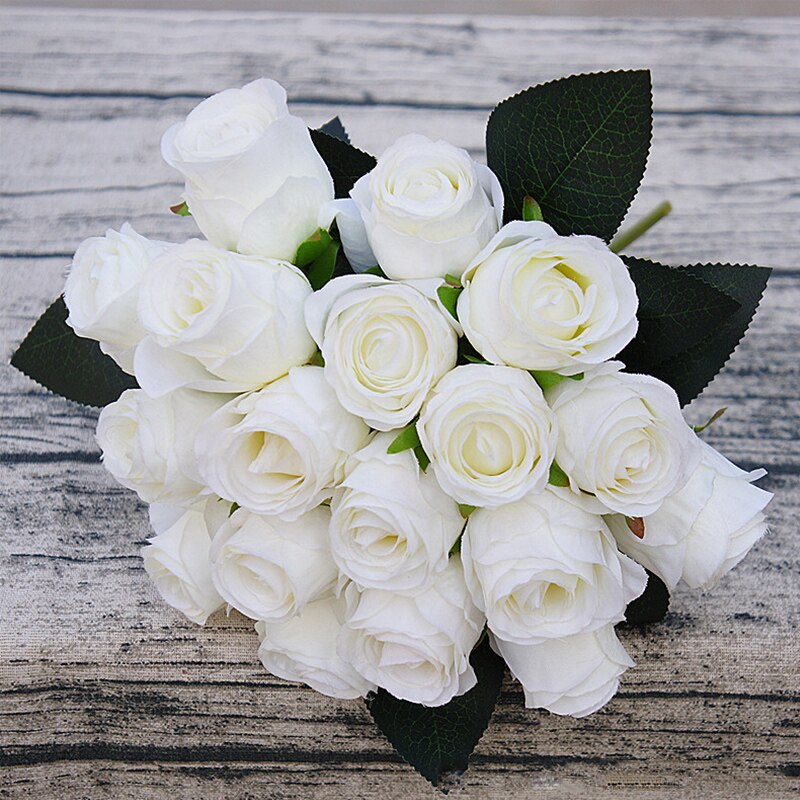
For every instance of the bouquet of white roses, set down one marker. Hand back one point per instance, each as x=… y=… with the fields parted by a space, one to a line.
x=415 y=417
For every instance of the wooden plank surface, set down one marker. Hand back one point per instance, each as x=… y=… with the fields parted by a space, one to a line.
x=104 y=691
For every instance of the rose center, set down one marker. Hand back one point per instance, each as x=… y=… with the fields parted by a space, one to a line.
x=488 y=449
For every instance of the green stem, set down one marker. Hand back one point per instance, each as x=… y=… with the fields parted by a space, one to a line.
x=626 y=237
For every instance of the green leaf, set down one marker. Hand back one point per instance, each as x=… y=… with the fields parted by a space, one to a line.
x=345 y=162
x=376 y=270
x=557 y=476
x=676 y=311
x=474 y=360
x=313 y=247
x=334 y=127
x=53 y=355
x=405 y=440
x=465 y=509
x=686 y=332
x=448 y=295
x=578 y=146
x=652 y=605
x=438 y=741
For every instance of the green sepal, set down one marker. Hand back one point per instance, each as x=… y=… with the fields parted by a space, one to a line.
x=448 y=296
x=531 y=210
x=438 y=741
x=321 y=270
x=711 y=420
x=181 y=209
x=557 y=476
x=313 y=247
x=407 y=439
x=54 y=356
x=465 y=509
x=422 y=457
x=546 y=380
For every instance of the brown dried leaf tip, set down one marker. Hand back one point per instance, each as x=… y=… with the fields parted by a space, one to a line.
x=636 y=526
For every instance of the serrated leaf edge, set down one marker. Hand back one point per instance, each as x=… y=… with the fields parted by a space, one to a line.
x=595 y=74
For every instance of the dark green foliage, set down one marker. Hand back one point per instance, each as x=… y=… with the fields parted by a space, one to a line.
x=67 y=364
x=345 y=162
x=578 y=146
x=652 y=605
x=690 y=320
x=438 y=741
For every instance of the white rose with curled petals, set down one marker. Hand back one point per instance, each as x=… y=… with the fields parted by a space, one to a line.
x=705 y=529
x=392 y=525
x=177 y=561
x=489 y=433
x=622 y=438
x=220 y=322
x=573 y=676
x=254 y=181
x=537 y=300
x=545 y=568
x=303 y=648
x=280 y=450
x=270 y=569
x=148 y=443
x=102 y=290
x=414 y=645
x=427 y=208
x=384 y=344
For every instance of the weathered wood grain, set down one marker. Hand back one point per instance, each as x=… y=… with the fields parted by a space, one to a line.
x=104 y=691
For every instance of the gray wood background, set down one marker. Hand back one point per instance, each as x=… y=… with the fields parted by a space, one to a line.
x=104 y=691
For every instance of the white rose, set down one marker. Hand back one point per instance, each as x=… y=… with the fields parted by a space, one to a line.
x=574 y=676
x=177 y=561
x=622 y=438
x=254 y=181
x=384 y=344
x=148 y=443
x=303 y=648
x=427 y=209
x=489 y=434
x=392 y=525
x=214 y=509
x=417 y=645
x=703 y=530
x=218 y=321
x=280 y=450
x=102 y=290
x=537 y=300
x=545 y=568
x=270 y=569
